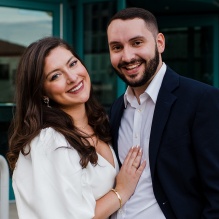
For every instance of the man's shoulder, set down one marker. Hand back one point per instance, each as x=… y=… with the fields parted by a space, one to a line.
x=189 y=83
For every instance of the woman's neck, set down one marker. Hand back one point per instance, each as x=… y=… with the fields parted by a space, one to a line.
x=79 y=116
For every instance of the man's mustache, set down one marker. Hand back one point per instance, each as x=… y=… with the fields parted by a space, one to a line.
x=124 y=64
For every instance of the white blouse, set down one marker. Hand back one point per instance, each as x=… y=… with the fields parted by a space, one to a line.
x=49 y=183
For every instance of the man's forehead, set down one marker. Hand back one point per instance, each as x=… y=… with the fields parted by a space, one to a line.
x=126 y=29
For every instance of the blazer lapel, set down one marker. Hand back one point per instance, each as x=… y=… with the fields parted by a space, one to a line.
x=115 y=120
x=164 y=103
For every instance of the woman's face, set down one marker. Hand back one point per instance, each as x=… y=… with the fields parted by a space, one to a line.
x=66 y=80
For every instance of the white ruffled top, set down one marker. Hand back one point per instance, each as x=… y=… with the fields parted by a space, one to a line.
x=49 y=183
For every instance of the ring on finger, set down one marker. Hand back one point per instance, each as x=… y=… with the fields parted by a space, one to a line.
x=134 y=166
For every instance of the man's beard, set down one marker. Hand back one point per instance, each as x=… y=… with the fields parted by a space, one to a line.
x=150 y=69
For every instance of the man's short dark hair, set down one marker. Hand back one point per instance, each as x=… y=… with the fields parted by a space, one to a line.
x=132 y=13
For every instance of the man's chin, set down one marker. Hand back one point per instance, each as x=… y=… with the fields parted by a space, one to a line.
x=132 y=80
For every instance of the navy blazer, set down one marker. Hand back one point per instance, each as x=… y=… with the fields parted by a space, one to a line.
x=183 y=147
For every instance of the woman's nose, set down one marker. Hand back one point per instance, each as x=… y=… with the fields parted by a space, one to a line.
x=71 y=77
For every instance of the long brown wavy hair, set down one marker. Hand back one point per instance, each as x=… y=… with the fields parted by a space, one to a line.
x=31 y=114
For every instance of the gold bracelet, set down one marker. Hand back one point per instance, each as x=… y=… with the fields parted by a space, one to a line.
x=119 y=197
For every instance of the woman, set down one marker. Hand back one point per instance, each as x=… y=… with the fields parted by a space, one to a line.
x=59 y=141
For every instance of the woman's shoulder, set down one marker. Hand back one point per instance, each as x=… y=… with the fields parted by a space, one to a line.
x=44 y=133
x=49 y=137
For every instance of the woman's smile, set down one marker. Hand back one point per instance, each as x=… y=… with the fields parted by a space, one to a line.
x=77 y=88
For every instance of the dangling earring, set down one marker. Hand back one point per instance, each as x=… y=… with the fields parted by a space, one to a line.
x=46 y=101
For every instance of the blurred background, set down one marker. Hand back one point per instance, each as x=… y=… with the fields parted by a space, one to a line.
x=191 y=29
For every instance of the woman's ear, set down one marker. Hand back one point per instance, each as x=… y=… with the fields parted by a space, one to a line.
x=46 y=100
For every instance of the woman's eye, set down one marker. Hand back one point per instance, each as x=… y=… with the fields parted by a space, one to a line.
x=73 y=63
x=54 y=77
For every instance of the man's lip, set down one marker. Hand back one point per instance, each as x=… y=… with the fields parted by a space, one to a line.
x=133 y=66
x=131 y=71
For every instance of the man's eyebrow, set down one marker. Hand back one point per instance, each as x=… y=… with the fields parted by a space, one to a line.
x=132 y=39
x=113 y=42
x=136 y=38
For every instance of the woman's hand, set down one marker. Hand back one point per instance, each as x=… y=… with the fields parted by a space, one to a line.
x=129 y=174
x=126 y=182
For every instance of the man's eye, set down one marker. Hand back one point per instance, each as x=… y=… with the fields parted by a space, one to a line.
x=116 y=48
x=137 y=43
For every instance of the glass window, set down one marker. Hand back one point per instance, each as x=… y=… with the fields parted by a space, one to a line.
x=19 y=28
x=96 y=52
x=189 y=51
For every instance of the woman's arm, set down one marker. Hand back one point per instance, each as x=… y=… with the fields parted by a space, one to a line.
x=126 y=182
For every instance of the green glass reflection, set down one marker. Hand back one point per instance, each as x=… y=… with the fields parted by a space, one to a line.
x=18 y=28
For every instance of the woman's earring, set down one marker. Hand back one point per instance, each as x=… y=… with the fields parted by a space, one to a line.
x=46 y=101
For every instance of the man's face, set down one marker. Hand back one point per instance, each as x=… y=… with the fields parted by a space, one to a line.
x=134 y=51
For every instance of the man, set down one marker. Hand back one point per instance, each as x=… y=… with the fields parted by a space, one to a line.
x=174 y=119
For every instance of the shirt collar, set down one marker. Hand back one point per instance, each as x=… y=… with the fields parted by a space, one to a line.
x=152 y=90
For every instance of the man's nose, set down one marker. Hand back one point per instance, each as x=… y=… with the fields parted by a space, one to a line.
x=128 y=54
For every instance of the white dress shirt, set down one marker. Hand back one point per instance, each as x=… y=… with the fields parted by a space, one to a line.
x=49 y=183
x=134 y=130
